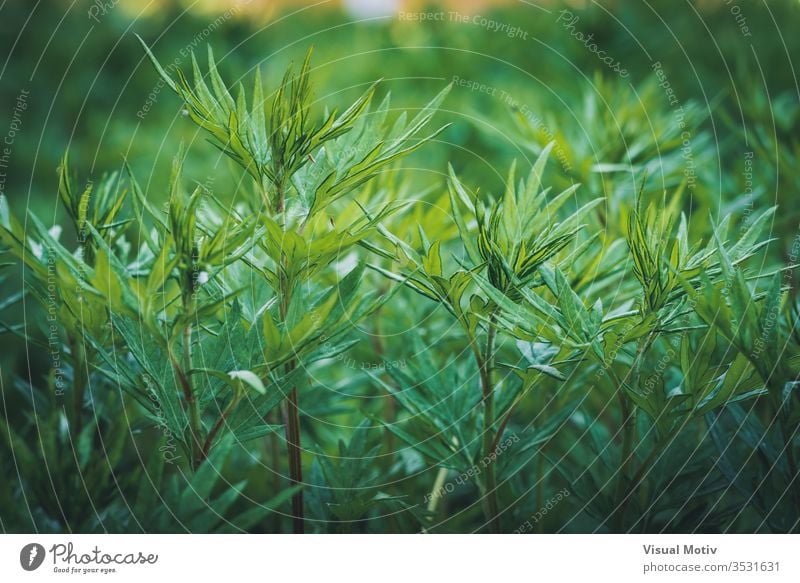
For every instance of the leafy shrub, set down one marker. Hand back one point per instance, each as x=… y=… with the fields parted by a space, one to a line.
x=558 y=338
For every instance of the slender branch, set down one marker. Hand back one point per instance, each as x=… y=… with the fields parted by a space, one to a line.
x=484 y=362
x=507 y=417
x=292 y=413
x=628 y=427
x=182 y=369
x=218 y=425
x=80 y=381
x=295 y=459
x=389 y=406
x=280 y=197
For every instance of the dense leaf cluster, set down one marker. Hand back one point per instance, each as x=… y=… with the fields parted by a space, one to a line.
x=525 y=341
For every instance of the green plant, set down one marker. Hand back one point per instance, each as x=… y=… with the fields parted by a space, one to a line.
x=437 y=358
x=301 y=169
x=215 y=357
x=514 y=238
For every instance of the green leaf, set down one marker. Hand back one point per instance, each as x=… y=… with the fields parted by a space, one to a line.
x=249 y=379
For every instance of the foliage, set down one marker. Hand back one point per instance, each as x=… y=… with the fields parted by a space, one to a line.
x=302 y=330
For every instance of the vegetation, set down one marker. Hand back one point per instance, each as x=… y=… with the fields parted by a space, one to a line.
x=317 y=326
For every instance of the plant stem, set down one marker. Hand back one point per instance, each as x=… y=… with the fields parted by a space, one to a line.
x=274 y=446
x=186 y=366
x=79 y=382
x=484 y=361
x=218 y=425
x=280 y=197
x=194 y=411
x=389 y=408
x=627 y=446
x=292 y=412
x=295 y=459
x=628 y=427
